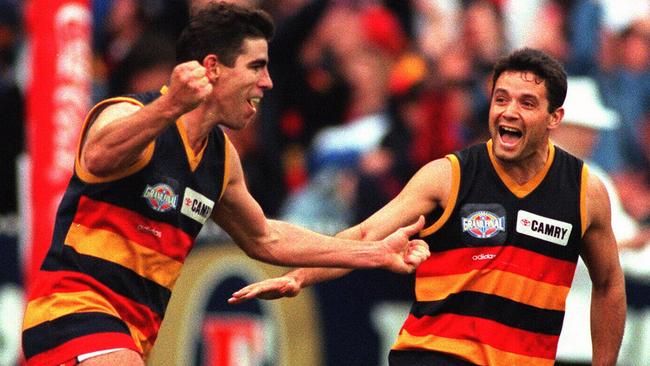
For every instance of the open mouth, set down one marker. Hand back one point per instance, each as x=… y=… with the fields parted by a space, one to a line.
x=510 y=135
x=254 y=103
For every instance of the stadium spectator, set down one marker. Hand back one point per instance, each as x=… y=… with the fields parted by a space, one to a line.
x=147 y=66
x=308 y=93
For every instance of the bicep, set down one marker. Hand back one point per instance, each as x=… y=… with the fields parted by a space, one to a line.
x=237 y=211
x=426 y=190
x=107 y=116
x=99 y=120
x=599 y=251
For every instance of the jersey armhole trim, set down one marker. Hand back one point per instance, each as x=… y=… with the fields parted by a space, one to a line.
x=226 y=164
x=584 y=179
x=451 y=200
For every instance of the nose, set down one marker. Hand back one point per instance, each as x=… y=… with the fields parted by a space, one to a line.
x=511 y=109
x=265 y=81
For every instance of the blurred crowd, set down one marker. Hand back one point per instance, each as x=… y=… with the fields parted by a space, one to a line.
x=367 y=91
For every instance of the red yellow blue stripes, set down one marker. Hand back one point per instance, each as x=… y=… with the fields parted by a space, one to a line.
x=499 y=305
x=476 y=352
x=135 y=262
x=163 y=238
x=512 y=259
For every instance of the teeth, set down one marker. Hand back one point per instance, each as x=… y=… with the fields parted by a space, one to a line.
x=255 y=101
x=509 y=129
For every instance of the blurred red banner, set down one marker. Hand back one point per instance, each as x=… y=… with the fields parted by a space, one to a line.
x=58 y=97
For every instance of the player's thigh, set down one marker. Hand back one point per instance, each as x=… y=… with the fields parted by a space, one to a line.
x=124 y=357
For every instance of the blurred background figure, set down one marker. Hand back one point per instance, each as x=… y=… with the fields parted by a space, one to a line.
x=134 y=36
x=328 y=141
x=585 y=117
x=628 y=86
x=145 y=67
x=11 y=146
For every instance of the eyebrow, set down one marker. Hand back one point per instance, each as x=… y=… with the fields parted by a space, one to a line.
x=258 y=62
x=525 y=95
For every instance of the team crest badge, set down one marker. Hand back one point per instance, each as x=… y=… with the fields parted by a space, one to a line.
x=160 y=197
x=483 y=224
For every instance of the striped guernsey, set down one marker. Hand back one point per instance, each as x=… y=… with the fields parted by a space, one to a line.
x=502 y=261
x=118 y=246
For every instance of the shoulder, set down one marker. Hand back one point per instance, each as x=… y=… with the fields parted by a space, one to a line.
x=118 y=109
x=598 y=211
x=104 y=114
x=567 y=160
x=596 y=189
x=438 y=169
x=220 y=136
x=144 y=98
x=434 y=181
x=113 y=108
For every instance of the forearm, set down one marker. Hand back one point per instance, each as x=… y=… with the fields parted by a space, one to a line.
x=288 y=285
x=608 y=308
x=309 y=276
x=291 y=245
x=388 y=227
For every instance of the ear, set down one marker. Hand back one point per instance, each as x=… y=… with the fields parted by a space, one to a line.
x=212 y=67
x=556 y=118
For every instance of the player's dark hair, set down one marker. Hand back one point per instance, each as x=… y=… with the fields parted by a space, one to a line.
x=220 y=28
x=545 y=67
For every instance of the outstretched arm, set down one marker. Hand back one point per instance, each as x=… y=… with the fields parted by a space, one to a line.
x=608 y=305
x=281 y=243
x=427 y=189
x=290 y=284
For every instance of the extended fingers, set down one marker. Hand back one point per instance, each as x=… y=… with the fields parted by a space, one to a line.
x=245 y=290
x=267 y=290
x=244 y=294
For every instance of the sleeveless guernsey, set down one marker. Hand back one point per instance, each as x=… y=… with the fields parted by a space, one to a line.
x=118 y=247
x=502 y=262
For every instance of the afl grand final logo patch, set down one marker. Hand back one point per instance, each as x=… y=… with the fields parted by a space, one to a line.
x=160 y=197
x=483 y=224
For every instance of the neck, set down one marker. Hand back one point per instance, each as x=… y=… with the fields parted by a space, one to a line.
x=525 y=169
x=197 y=129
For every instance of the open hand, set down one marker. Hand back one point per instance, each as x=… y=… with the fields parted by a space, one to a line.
x=273 y=288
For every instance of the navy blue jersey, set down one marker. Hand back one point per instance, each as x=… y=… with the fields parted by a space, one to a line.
x=119 y=244
x=502 y=261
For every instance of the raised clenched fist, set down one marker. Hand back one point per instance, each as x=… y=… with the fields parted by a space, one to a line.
x=189 y=85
